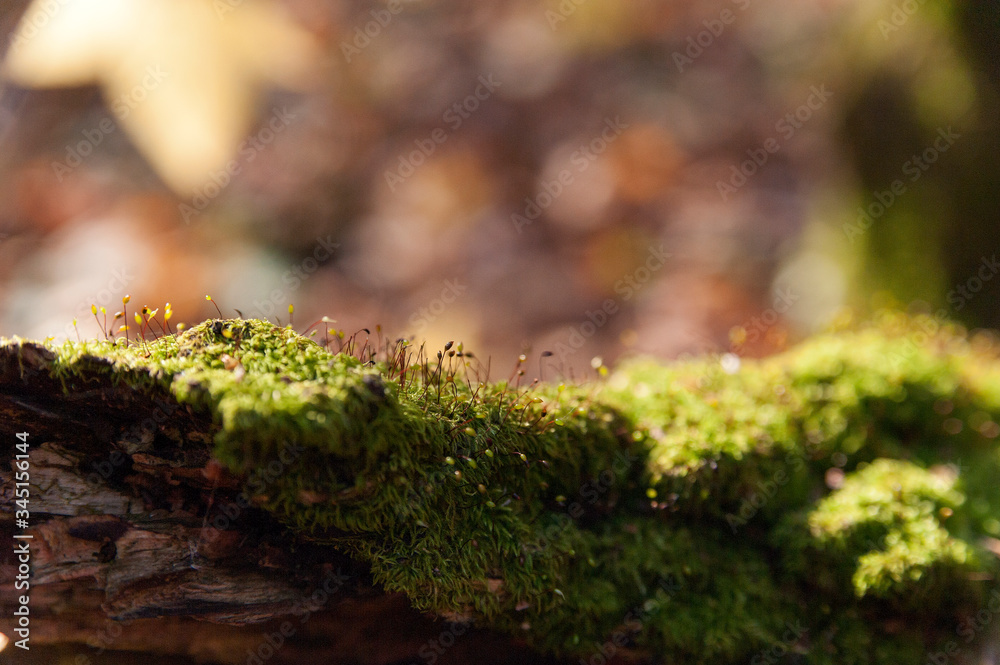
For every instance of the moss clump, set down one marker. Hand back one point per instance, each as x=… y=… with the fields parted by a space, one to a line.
x=887 y=518
x=801 y=504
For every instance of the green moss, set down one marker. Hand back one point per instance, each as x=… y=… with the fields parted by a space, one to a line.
x=688 y=512
x=887 y=518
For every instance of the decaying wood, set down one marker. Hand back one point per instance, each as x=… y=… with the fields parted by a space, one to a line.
x=141 y=545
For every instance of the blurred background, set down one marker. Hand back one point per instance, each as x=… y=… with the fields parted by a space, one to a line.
x=587 y=177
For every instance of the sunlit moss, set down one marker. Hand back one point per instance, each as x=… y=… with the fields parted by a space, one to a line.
x=691 y=512
x=887 y=517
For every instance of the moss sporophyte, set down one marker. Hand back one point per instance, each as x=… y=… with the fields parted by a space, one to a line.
x=552 y=512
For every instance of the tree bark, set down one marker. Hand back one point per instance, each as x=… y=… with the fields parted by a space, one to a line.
x=837 y=502
x=126 y=563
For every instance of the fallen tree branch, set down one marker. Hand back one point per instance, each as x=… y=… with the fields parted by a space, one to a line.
x=836 y=501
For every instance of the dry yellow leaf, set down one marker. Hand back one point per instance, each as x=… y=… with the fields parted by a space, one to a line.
x=183 y=77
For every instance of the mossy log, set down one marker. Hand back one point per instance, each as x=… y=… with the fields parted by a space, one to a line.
x=835 y=504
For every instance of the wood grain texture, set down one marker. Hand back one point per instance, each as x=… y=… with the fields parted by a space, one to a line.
x=141 y=547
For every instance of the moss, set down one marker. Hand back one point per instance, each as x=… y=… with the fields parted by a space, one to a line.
x=677 y=510
x=887 y=518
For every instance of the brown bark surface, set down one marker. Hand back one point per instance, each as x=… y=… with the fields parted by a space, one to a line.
x=141 y=552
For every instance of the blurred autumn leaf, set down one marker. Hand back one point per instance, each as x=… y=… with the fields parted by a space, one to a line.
x=181 y=76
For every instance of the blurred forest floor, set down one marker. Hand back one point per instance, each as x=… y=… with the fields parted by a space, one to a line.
x=587 y=177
